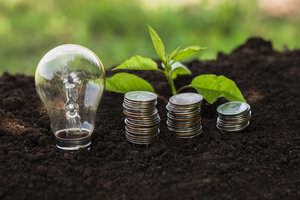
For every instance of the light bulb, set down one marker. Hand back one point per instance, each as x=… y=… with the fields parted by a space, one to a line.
x=70 y=80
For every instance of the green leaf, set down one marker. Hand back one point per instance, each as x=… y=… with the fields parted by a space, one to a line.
x=173 y=53
x=184 y=53
x=178 y=68
x=211 y=87
x=158 y=44
x=138 y=63
x=125 y=82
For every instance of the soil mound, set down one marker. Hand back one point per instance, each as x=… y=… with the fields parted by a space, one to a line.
x=261 y=162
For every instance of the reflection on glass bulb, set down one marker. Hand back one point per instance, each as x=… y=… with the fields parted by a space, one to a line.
x=70 y=80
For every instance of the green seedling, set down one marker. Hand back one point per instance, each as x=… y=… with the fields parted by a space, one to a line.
x=210 y=86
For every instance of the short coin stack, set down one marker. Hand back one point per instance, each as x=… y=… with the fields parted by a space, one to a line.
x=184 y=117
x=142 y=122
x=233 y=116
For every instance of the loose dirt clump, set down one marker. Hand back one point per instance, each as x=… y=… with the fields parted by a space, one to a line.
x=261 y=162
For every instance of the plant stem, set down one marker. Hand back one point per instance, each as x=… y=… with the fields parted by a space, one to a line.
x=162 y=98
x=160 y=70
x=171 y=82
x=184 y=87
x=168 y=76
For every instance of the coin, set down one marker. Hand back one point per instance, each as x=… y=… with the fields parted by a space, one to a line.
x=184 y=119
x=145 y=125
x=142 y=118
x=184 y=129
x=140 y=96
x=233 y=116
x=237 y=117
x=183 y=124
x=234 y=121
x=141 y=130
x=233 y=108
x=193 y=112
x=235 y=129
x=154 y=120
x=142 y=135
x=137 y=105
x=186 y=99
x=184 y=115
x=225 y=124
x=141 y=141
x=138 y=109
x=178 y=109
x=189 y=134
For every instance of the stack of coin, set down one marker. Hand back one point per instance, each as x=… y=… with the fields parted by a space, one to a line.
x=142 y=122
x=233 y=116
x=184 y=115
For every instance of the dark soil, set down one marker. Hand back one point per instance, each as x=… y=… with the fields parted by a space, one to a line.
x=259 y=163
x=72 y=134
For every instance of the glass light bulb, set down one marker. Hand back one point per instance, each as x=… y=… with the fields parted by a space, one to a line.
x=70 y=80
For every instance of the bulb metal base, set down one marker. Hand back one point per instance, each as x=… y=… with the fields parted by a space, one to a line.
x=73 y=139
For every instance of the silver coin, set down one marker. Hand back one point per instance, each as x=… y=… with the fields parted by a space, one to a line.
x=184 y=129
x=233 y=108
x=135 y=131
x=141 y=142
x=185 y=113
x=236 y=117
x=140 y=104
x=133 y=138
x=137 y=113
x=184 y=120
x=138 y=109
x=135 y=109
x=188 y=124
x=187 y=117
x=140 y=96
x=184 y=123
x=156 y=119
x=139 y=128
x=173 y=108
x=235 y=129
x=183 y=117
x=152 y=118
x=222 y=123
x=226 y=125
x=143 y=136
x=185 y=99
x=141 y=116
x=234 y=121
x=189 y=134
x=145 y=125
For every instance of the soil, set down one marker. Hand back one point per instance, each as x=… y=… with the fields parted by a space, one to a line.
x=261 y=162
x=72 y=134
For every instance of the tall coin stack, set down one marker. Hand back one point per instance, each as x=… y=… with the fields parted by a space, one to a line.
x=233 y=116
x=184 y=117
x=142 y=122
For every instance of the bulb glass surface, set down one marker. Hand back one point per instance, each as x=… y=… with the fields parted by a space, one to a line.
x=70 y=81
